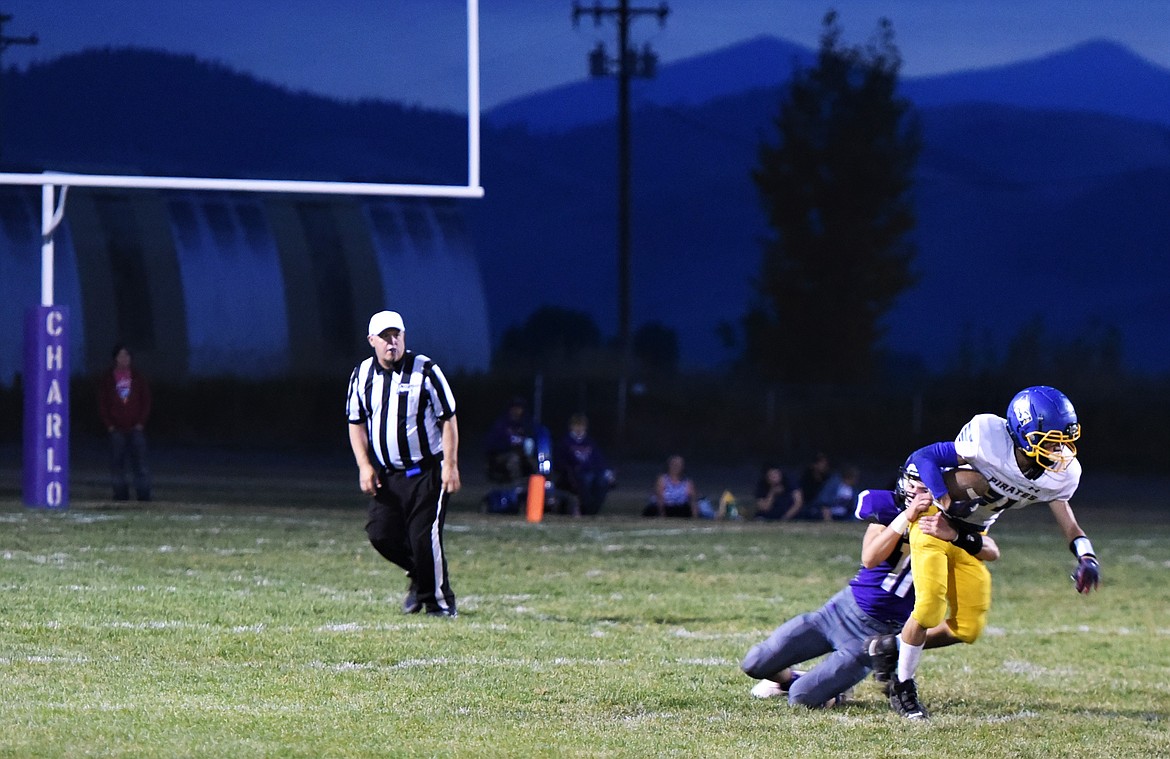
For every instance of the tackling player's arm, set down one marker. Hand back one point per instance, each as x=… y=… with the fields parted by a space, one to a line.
x=1087 y=575
x=880 y=540
x=877 y=543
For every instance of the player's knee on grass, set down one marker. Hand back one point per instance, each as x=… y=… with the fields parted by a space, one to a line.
x=753 y=665
x=807 y=696
x=805 y=701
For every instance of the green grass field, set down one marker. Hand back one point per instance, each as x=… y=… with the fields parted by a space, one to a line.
x=232 y=627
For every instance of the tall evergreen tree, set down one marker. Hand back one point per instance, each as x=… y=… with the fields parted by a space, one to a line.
x=836 y=188
x=550 y=335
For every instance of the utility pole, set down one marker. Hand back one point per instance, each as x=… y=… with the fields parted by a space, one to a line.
x=627 y=64
x=5 y=43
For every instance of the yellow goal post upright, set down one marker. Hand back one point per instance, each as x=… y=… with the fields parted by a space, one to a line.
x=46 y=329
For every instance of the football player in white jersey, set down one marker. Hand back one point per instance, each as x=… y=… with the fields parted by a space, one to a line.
x=1029 y=457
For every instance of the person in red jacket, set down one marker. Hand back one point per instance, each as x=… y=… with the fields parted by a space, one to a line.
x=124 y=405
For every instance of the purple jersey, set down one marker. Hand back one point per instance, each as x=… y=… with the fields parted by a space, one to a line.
x=885 y=592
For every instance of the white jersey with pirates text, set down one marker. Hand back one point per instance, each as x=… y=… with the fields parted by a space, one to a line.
x=985 y=444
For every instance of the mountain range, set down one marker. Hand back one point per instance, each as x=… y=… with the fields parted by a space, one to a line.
x=1047 y=177
x=1041 y=191
x=1097 y=76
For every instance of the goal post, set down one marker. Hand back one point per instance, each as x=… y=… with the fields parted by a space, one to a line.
x=46 y=328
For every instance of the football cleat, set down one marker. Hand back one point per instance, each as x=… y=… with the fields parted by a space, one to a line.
x=768 y=689
x=772 y=688
x=883 y=656
x=904 y=700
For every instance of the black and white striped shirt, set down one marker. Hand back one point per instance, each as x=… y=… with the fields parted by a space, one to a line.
x=401 y=409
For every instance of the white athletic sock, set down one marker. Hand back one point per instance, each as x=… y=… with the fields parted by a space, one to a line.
x=908 y=658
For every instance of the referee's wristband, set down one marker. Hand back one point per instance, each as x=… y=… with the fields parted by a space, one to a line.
x=971 y=542
x=1081 y=547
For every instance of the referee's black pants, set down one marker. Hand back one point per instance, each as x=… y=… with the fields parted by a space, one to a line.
x=406 y=519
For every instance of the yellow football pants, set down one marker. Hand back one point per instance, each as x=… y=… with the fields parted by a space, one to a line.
x=947 y=576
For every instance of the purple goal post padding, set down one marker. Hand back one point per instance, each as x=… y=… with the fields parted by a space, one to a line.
x=46 y=407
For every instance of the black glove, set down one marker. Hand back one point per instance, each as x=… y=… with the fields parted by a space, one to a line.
x=1087 y=575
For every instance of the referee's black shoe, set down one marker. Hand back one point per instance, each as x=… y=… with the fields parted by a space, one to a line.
x=450 y=613
x=411 y=604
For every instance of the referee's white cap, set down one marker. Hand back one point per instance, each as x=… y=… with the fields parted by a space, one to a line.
x=384 y=320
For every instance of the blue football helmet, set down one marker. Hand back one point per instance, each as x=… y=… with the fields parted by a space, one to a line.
x=1043 y=424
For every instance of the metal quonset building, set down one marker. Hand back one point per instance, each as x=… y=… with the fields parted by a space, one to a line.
x=229 y=284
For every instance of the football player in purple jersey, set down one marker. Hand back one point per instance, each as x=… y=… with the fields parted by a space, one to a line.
x=1029 y=457
x=876 y=602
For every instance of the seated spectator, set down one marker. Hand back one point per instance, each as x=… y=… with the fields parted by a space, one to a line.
x=774 y=499
x=511 y=446
x=844 y=490
x=816 y=499
x=580 y=469
x=674 y=493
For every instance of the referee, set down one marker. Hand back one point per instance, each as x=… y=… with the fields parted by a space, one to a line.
x=405 y=440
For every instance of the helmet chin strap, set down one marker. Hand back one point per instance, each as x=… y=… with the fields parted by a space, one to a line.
x=1029 y=466
x=1035 y=469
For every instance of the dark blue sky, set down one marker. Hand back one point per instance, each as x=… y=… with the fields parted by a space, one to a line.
x=414 y=50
